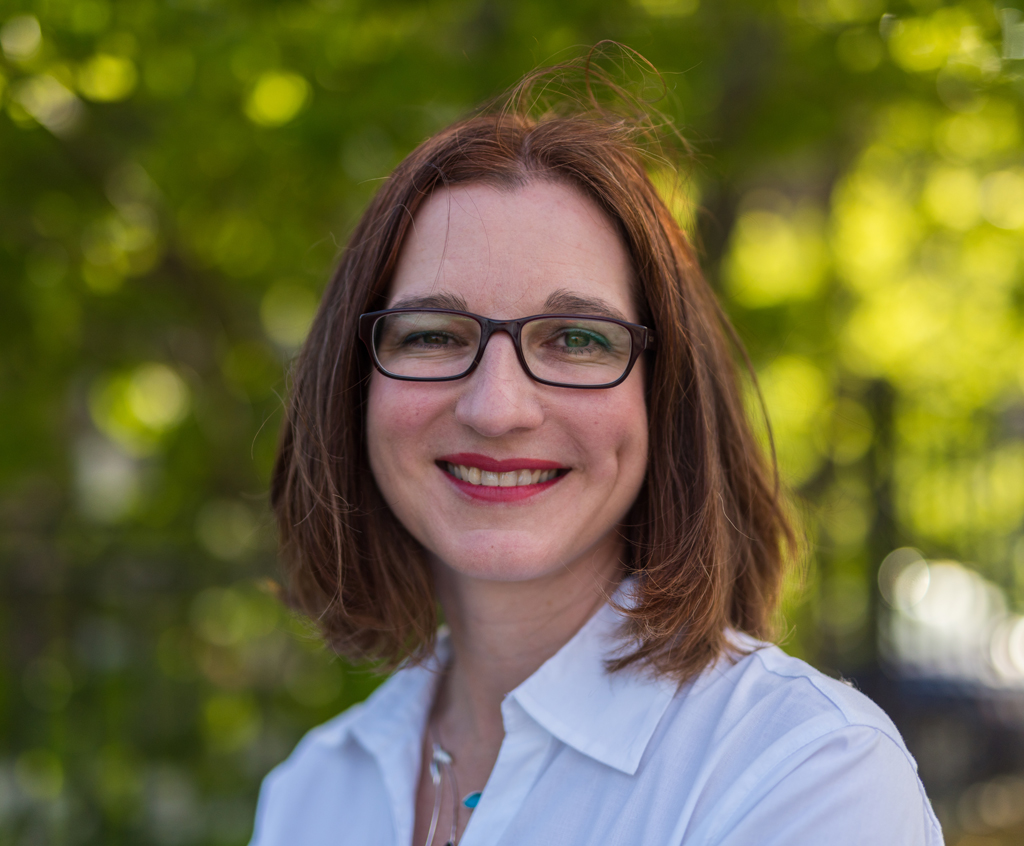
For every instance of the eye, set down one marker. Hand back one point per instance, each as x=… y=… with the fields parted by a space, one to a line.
x=582 y=338
x=430 y=339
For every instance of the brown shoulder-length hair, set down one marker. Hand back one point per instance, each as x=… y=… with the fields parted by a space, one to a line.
x=708 y=536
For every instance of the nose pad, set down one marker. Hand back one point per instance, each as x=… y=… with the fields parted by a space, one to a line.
x=499 y=396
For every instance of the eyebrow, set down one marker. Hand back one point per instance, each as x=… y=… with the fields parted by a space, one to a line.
x=449 y=301
x=560 y=302
x=568 y=302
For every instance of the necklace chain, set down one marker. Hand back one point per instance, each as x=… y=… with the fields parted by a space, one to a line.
x=441 y=762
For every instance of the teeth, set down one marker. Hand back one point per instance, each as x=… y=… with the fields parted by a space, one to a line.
x=510 y=479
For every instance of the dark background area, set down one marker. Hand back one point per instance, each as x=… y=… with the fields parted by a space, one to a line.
x=176 y=179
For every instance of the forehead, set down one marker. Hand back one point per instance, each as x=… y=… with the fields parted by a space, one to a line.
x=509 y=253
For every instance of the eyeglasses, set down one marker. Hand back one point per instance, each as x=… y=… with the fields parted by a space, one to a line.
x=564 y=350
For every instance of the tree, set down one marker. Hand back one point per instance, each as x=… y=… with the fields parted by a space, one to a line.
x=175 y=184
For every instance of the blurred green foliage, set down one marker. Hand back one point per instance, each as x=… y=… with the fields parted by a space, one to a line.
x=176 y=179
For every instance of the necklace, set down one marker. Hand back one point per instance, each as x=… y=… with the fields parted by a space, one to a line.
x=441 y=762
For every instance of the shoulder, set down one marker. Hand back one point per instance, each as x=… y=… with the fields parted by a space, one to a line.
x=299 y=798
x=317 y=744
x=396 y=704
x=345 y=764
x=318 y=760
x=778 y=734
x=763 y=684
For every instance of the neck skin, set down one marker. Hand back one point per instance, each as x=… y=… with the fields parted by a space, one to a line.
x=501 y=633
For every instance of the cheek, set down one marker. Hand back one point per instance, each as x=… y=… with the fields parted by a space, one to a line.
x=398 y=417
x=617 y=435
x=634 y=442
x=386 y=428
x=638 y=402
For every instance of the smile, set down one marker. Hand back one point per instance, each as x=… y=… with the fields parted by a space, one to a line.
x=500 y=480
x=493 y=479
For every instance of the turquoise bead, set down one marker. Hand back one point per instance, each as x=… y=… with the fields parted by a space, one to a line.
x=472 y=799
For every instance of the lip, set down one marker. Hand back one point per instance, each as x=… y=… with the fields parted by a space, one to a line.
x=485 y=493
x=502 y=465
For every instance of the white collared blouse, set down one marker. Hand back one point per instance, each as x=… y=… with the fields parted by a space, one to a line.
x=763 y=751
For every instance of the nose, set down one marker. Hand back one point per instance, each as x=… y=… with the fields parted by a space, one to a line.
x=498 y=396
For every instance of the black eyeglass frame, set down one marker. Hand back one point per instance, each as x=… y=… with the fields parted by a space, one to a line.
x=641 y=339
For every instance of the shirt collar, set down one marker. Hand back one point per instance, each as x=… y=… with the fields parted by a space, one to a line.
x=609 y=717
x=398 y=709
x=390 y=725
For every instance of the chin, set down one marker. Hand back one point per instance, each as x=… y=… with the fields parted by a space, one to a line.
x=498 y=557
x=517 y=556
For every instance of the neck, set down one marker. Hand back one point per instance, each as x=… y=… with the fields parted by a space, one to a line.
x=501 y=633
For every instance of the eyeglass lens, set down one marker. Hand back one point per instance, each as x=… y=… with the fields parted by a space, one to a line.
x=571 y=351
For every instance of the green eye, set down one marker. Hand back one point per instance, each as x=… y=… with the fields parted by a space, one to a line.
x=576 y=339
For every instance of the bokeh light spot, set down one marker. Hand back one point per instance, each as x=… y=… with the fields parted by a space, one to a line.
x=893 y=566
x=795 y=393
x=277 y=98
x=136 y=409
x=859 y=49
x=49 y=102
x=229 y=616
x=1003 y=199
x=106 y=78
x=107 y=479
x=20 y=37
x=226 y=528
x=951 y=197
x=923 y=44
x=157 y=396
x=874 y=229
x=774 y=257
x=286 y=311
x=232 y=721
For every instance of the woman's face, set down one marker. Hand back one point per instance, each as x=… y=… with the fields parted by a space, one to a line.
x=506 y=254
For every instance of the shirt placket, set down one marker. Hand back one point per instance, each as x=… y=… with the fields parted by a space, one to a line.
x=520 y=759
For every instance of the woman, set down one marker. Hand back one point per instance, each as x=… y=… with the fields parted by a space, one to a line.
x=518 y=402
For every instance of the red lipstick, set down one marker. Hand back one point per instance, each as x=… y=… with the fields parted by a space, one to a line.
x=492 y=493
x=503 y=465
